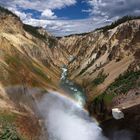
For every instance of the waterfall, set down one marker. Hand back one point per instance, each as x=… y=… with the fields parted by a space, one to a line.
x=65 y=120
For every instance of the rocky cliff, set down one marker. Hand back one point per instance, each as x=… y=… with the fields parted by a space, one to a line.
x=30 y=61
x=101 y=56
x=106 y=63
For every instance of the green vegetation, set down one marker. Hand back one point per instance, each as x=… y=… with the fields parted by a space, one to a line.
x=88 y=66
x=52 y=41
x=83 y=70
x=108 y=27
x=8 y=117
x=122 y=85
x=108 y=98
x=33 y=31
x=23 y=70
x=9 y=133
x=78 y=34
x=99 y=79
x=4 y=10
x=124 y=82
x=40 y=73
x=118 y=22
x=7 y=128
x=12 y=60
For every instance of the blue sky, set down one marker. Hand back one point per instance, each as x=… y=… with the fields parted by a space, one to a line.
x=73 y=11
x=64 y=17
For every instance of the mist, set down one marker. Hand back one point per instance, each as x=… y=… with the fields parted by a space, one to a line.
x=65 y=120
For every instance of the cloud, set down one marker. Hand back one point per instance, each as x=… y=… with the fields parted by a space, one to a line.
x=39 y=5
x=65 y=27
x=45 y=7
x=22 y=15
x=114 y=8
x=48 y=19
x=101 y=12
x=48 y=14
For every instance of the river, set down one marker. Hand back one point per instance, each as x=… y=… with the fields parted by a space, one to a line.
x=66 y=119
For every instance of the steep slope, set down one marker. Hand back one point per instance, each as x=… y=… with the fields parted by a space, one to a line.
x=30 y=61
x=113 y=51
x=24 y=48
x=106 y=63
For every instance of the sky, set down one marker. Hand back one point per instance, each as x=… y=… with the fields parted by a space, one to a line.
x=64 y=17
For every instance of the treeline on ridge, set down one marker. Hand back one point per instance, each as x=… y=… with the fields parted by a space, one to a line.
x=117 y=22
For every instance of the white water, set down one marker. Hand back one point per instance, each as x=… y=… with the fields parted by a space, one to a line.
x=65 y=120
x=64 y=73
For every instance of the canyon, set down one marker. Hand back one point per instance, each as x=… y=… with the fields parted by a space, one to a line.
x=104 y=65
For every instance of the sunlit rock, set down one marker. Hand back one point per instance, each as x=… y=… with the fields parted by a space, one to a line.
x=117 y=113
